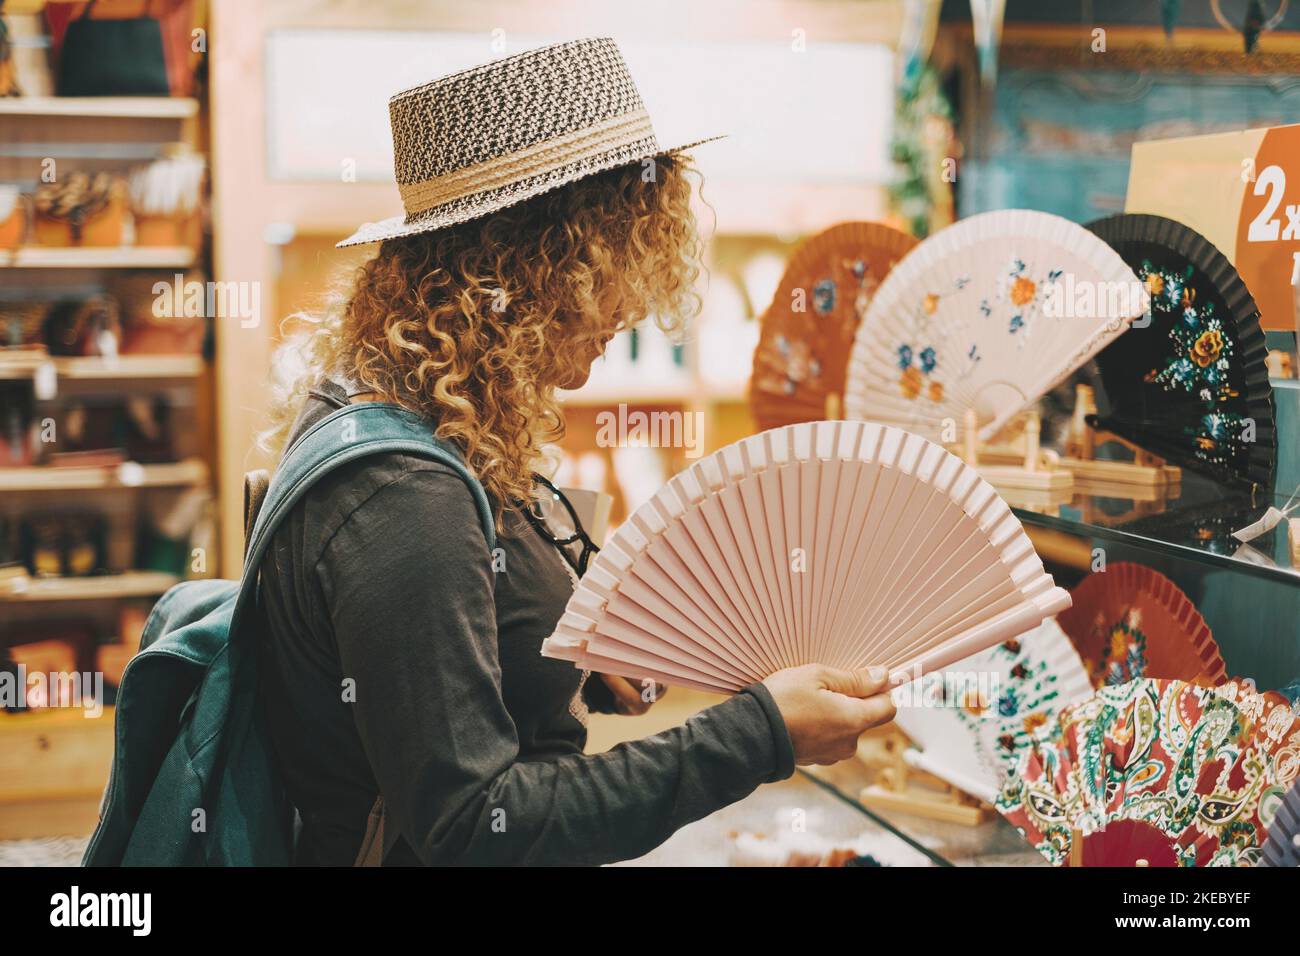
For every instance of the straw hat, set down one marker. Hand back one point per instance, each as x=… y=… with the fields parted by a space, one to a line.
x=492 y=136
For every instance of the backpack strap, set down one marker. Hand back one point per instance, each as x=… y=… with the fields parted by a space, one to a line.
x=255 y=484
x=351 y=432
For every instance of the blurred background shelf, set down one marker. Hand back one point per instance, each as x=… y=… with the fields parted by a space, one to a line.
x=124 y=185
x=98 y=257
x=649 y=394
x=128 y=584
x=126 y=475
x=93 y=369
x=128 y=107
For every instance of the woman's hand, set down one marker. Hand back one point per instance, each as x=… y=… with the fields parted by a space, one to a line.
x=633 y=697
x=827 y=709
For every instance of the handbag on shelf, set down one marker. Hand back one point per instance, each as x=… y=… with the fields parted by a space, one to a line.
x=113 y=57
x=177 y=21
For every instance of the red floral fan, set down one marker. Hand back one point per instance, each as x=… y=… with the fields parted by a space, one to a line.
x=807 y=332
x=1130 y=621
x=1125 y=842
x=1157 y=772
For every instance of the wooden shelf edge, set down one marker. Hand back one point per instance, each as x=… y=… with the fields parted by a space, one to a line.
x=649 y=395
x=101 y=369
x=39 y=478
x=28 y=720
x=129 y=584
x=127 y=107
x=130 y=367
x=97 y=257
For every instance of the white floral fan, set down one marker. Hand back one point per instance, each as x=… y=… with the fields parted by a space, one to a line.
x=989 y=313
x=843 y=543
x=970 y=722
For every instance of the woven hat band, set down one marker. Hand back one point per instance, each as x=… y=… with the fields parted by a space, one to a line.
x=550 y=154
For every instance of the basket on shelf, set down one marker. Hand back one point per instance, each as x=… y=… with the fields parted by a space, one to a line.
x=81 y=210
x=165 y=199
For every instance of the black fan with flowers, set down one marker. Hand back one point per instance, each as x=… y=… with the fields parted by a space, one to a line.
x=1192 y=386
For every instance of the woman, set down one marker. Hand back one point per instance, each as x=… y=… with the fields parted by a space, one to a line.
x=402 y=657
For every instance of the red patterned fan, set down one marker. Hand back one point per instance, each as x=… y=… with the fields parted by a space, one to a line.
x=1157 y=773
x=807 y=332
x=1125 y=842
x=1130 y=621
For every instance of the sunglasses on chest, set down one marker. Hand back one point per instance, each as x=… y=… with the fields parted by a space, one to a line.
x=554 y=518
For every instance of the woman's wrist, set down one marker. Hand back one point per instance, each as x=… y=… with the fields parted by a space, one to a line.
x=782 y=746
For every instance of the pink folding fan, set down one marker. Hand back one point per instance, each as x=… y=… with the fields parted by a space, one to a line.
x=845 y=543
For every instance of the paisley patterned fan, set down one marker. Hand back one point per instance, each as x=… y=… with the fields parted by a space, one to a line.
x=807 y=331
x=1192 y=386
x=1194 y=774
x=1130 y=621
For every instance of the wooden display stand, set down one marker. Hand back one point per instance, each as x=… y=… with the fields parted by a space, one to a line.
x=1144 y=471
x=1022 y=466
x=903 y=788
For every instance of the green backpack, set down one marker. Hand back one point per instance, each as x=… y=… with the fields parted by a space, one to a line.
x=194 y=780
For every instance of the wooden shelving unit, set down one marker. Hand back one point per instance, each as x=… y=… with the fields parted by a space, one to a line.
x=54 y=763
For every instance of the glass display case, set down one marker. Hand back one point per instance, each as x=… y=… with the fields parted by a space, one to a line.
x=990 y=842
x=1248 y=592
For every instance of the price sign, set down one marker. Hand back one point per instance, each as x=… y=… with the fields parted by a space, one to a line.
x=1242 y=192
x=1268 y=228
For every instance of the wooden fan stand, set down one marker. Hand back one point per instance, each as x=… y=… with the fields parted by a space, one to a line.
x=1145 y=470
x=1019 y=465
x=902 y=788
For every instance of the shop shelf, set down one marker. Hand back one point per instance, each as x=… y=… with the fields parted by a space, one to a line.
x=126 y=475
x=129 y=584
x=124 y=368
x=650 y=394
x=97 y=257
x=126 y=107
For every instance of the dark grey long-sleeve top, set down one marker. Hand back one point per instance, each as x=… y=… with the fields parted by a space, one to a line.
x=398 y=661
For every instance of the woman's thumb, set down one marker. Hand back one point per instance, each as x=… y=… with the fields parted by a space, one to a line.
x=863 y=682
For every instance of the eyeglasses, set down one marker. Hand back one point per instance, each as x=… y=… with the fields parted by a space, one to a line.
x=560 y=525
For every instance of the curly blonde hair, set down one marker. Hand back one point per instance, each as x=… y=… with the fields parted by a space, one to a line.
x=475 y=326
